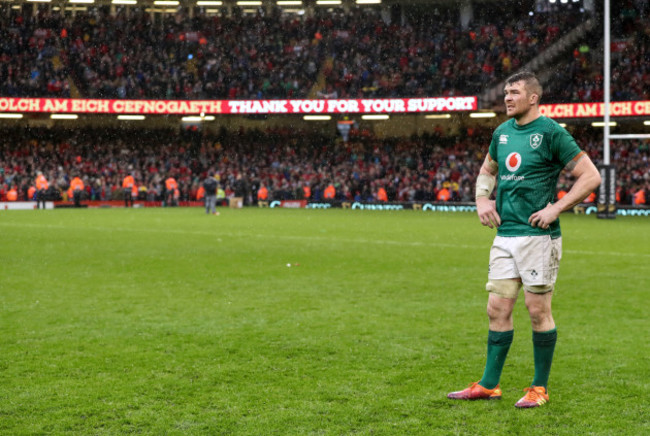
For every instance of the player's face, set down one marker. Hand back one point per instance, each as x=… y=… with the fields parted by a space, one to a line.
x=517 y=99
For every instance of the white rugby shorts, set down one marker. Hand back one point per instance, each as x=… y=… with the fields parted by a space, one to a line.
x=533 y=259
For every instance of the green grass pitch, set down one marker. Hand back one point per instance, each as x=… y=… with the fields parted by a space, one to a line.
x=170 y=321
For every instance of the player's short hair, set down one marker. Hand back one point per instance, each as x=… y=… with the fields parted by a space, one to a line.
x=531 y=82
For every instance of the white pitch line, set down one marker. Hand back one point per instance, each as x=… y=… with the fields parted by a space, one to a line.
x=251 y=235
x=314 y=238
x=606 y=253
x=434 y=244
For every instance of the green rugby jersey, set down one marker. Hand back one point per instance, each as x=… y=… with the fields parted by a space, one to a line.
x=530 y=159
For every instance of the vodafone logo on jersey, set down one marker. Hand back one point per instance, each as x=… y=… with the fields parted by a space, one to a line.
x=513 y=161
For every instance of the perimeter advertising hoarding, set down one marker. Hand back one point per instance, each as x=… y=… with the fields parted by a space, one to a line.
x=581 y=209
x=23 y=205
x=244 y=107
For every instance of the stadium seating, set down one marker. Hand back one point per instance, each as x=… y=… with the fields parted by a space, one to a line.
x=330 y=54
x=412 y=168
x=327 y=54
x=579 y=77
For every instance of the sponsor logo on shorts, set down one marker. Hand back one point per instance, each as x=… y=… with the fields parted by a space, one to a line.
x=536 y=140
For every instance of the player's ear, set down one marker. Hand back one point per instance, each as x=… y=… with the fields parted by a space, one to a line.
x=533 y=98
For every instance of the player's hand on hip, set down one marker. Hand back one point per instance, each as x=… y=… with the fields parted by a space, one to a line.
x=545 y=217
x=487 y=212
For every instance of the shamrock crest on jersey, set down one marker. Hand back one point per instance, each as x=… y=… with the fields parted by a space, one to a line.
x=536 y=140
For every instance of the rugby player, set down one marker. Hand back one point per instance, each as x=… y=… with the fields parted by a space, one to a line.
x=527 y=154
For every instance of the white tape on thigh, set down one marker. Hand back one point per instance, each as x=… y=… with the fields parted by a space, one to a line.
x=506 y=288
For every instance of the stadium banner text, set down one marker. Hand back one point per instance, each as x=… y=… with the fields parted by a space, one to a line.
x=248 y=107
x=595 y=110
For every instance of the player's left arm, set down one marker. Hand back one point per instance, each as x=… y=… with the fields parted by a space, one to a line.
x=587 y=180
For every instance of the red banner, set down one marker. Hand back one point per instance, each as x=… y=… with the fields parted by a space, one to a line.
x=596 y=110
x=215 y=107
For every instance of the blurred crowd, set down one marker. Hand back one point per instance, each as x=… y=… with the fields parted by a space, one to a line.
x=129 y=54
x=278 y=162
x=434 y=55
x=579 y=78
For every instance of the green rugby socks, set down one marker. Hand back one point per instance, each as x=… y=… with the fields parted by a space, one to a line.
x=497 y=350
x=543 y=347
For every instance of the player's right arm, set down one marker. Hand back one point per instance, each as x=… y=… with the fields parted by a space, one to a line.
x=485 y=183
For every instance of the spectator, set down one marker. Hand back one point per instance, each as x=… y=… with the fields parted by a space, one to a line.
x=289 y=163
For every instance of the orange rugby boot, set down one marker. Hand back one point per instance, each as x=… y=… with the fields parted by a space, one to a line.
x=476 y=392
x=535 y=397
